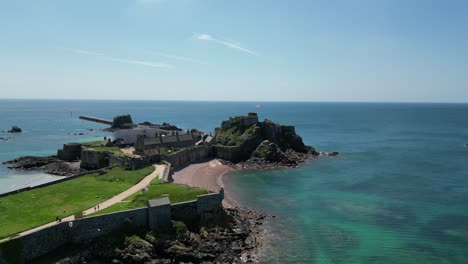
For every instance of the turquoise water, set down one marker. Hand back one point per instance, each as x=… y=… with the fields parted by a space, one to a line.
x=397 y=193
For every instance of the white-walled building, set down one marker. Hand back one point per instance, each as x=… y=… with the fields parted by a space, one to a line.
x=129 y=136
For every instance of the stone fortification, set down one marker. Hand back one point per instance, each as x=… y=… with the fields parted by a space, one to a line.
x=70 y=152
x=93 y=160
x=187 y=156
x=240 y=137
x=123 y=122
x=156 y=216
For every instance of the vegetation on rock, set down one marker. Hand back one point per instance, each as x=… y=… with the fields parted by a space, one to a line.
x=265 y=141
x=123 y=122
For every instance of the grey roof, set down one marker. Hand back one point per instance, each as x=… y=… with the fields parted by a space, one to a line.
x=159 y=202
x=185 y=137
x=151 y=141
x=169 y=139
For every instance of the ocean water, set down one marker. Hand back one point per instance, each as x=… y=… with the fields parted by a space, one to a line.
x=397 y=193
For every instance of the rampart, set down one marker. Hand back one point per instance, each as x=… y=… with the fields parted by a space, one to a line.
x=187 y=156
x=231 y=153
x=92 y=159
x=70 y=152
x=157 y=216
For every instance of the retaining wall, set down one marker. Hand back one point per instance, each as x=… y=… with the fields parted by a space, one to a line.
x=187 y=156
x=93 y=160
x=25 y=248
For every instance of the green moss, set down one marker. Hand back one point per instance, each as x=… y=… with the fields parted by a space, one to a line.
x=178 y=225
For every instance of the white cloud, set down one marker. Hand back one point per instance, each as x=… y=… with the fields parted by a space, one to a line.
x=80 y=51
x=229 y=44
x=120 y=60
x=143 y=63
x=175 y=57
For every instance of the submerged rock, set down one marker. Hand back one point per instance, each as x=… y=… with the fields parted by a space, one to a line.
x=329 y=154
x=15 y=129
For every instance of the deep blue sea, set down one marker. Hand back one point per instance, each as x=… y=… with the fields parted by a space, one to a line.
x=398 y=193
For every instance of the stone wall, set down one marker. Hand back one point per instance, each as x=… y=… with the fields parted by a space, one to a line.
x=134 y=163
x=187 y=213
x=157 y=215
x=93 y=160
x=187 y=156
x=46 y=240
x=70 y=152
x=231 y=153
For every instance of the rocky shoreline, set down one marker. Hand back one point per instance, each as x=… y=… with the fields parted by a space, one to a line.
x=292 y=159
x=235 y=237
x=50 y=165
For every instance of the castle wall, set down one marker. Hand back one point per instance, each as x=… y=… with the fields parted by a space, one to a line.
x=93 y=160
x=69 y=152
x=25 y=248
x=231 y=153
x=187 y=156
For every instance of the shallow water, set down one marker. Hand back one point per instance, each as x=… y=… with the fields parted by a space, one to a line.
x=396 y=194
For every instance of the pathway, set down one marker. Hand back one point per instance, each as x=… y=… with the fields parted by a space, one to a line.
x=158 y=172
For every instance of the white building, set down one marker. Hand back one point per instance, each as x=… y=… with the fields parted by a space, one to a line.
x=129 y=136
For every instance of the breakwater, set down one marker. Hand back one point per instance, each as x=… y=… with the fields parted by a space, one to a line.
x=97 y=120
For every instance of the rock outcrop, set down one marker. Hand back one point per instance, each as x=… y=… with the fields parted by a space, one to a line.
x=243 y=139
x=268 y=151
x=51 y=165
x=5 y=138
x=123 y=122
x=15 y=129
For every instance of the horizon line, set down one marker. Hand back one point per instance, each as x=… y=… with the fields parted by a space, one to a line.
x=237 y=101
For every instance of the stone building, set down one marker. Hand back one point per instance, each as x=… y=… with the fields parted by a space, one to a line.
x=175 y=140
x=129 y=136
x=245 y=121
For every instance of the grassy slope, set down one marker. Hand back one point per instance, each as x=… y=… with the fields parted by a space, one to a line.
x=177 y=193
x=234 y=136
x=25 y=210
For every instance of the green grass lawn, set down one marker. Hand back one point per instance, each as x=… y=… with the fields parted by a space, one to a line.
x=25 y=210
x=114 y=150
x=177 y=193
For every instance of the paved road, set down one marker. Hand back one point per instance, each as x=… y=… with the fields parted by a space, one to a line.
x=157 y=173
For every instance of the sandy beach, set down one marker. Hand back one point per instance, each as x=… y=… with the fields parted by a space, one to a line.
x=207 y=175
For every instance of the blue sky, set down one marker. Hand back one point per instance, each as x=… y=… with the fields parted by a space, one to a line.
x=254 y=50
